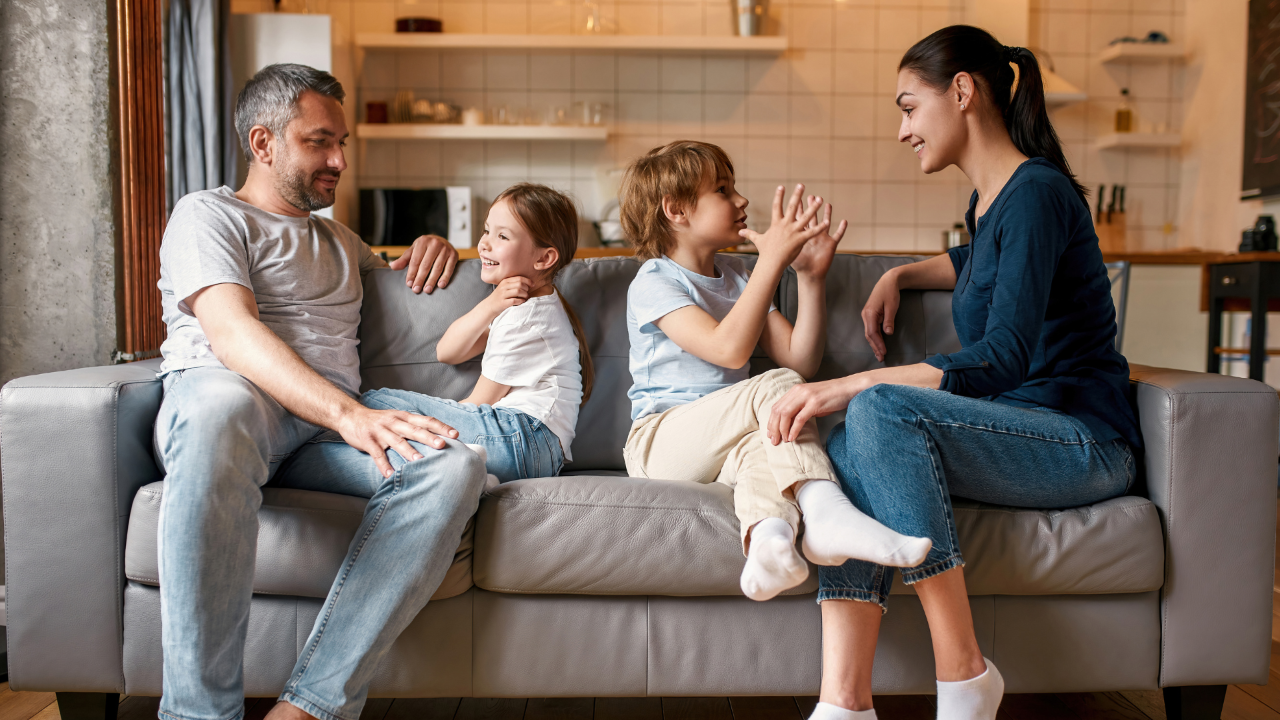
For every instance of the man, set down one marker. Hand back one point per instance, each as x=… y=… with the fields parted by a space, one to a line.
x=262 y=302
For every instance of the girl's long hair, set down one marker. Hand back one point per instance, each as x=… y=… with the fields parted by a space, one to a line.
x=950 y=51
x=552 y=220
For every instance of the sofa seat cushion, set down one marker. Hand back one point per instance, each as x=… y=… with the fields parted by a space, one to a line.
x=628 y=536
x=303 y=538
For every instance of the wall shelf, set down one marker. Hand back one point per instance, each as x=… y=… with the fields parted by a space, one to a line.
x=656 y=43
x=1056 y=100
x=1143 y=52
x=426 y=131
x=1139 y=140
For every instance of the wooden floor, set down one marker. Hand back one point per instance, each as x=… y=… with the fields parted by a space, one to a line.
x=1244 y=702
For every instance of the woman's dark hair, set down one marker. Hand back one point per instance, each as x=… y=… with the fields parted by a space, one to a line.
x=937 y=59
x=552 y=220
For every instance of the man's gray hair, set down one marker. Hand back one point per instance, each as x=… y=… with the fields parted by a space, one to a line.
x=270 y=99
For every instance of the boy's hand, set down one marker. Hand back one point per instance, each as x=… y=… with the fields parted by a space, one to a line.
x=509 y=293
x=815 y=258
x=789 y=229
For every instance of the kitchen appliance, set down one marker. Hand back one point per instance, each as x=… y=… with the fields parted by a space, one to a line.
x=398 y=216
x=955 y=237
x=418 y=24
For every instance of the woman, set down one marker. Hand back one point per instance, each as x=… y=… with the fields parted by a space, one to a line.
x=1032 y=412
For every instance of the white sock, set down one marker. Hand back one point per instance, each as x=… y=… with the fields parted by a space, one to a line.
x=490 y=480
x=827 y=711
x=773 y=565
x=836 y=531
x=974 y=699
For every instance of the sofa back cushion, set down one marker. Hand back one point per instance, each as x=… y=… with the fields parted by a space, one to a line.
x=399 y=331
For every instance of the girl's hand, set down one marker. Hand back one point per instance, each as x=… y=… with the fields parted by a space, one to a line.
x=789 y=229
x=815 y=257
x=879 y=312
x=802 y=403
x=509 y=293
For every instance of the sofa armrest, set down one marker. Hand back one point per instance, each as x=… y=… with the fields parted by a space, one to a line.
x=1211 y=449
x=75 y=447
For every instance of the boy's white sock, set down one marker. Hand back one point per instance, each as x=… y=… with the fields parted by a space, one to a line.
x=974 y=699
x=490 y=480
x=836 y=531
x=773 y=565
x=827 y=711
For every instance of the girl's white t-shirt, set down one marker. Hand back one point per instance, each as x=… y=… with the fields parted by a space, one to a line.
x=532 y=348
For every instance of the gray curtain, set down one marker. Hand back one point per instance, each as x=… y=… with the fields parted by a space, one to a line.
x=200 y=97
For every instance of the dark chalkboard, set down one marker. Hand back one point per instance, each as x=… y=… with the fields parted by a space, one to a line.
x=1262 y=102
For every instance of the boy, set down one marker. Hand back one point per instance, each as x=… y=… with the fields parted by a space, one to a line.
x=694 y=317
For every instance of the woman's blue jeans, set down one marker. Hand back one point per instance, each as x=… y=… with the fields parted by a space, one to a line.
x=902 y=452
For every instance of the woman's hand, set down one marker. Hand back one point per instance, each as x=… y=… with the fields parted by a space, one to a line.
x=802 y=403
x=815 y=257
x=879 y=312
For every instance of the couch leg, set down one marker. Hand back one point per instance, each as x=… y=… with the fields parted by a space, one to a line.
x=88 y=706
x=1194 y=702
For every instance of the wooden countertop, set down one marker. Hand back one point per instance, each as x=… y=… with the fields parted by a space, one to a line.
x=1190 y=256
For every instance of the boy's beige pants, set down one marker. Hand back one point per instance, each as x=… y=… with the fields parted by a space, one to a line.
x=721 y=438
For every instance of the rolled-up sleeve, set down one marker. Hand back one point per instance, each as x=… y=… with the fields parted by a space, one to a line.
x=959 y=256
x=1031 y=238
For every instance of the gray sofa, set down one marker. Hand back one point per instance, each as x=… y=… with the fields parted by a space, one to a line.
x=594 y=584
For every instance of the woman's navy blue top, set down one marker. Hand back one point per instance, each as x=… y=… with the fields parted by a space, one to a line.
x=1032 y=308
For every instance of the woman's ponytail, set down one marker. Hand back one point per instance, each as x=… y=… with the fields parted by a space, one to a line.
x=937 y=59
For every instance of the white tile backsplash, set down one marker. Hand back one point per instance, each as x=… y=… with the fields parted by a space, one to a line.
x=821 y=113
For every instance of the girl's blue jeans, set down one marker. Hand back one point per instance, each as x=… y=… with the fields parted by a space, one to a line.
x=902 y=452
x=518 y=445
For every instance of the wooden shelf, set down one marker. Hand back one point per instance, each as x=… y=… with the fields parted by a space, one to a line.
x=1143 y=52
x=1139 y=140
x=427 y=131
x=657 y=43
x=1242 y=351
x=1059 y=99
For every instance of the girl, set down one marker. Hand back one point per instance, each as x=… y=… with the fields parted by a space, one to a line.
x=1032 y=412
x=536 y=370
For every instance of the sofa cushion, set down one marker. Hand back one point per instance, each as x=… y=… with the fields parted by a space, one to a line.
x=627 y=536
x=302 y=540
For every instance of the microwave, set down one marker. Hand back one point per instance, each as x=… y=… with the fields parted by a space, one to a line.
x=398 y=216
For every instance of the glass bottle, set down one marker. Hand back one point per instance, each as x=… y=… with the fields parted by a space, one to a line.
x=1124 y=116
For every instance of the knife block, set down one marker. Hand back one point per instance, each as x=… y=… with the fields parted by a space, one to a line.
x=1111 y=235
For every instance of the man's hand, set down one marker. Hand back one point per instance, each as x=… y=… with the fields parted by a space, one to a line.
x=815 y=257
x=509 y=293
x=430 y=261
x=789 y=228
x=374 y=431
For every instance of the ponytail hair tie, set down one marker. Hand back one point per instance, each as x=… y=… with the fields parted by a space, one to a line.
x=1012 y=53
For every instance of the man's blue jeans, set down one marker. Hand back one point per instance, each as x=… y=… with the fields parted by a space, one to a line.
x=902 y=452
x=221 y=439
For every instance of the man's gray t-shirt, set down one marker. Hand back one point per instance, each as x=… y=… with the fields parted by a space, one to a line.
x=305 y=274
x=663 y=374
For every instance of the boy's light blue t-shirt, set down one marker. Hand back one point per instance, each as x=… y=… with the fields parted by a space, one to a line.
x=662 y=374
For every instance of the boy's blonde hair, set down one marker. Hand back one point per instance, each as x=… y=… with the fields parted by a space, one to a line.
x=675 y=170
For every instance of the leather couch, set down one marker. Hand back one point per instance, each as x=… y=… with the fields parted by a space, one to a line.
x=594 y=584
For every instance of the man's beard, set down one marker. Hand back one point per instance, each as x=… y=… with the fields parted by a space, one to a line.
x=297 y=188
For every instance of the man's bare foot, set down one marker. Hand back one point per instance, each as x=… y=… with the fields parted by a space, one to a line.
x=287 y=711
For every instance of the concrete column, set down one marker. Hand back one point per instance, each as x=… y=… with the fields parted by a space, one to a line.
x=57 y=235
